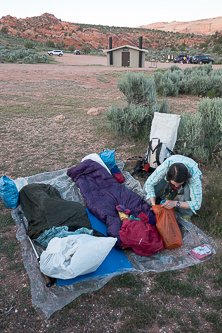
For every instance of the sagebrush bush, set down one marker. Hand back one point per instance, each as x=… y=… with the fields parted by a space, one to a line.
x=216 y=82
x=169 y=82
x=199 y=134
x=138 y=89
x=197 y=84
x=11 y=57
x=13 y=54
x=190 y=137
x=211 y=112
x=198 y=80
x=135 y=119
x=28 y=59
x=210 y=215
x=165 y=85
x=132 y=120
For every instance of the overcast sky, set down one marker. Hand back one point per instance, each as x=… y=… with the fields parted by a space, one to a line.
x=124 y=13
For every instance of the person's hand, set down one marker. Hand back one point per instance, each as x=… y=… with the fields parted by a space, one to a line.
x=168 y=204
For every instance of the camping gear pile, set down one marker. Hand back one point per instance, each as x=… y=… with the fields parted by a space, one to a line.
x=63 y=292
x=83 y=218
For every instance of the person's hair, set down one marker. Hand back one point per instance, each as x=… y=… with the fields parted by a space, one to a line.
x=179 y=173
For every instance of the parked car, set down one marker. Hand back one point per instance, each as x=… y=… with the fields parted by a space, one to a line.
x=201 y=59
x=55 y=52
x=179 y=57
x=76 y=52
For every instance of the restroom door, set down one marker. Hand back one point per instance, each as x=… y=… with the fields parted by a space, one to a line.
x=125 y=59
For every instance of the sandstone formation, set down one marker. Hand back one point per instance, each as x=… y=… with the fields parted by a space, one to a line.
x=200 y=27
x=47 y=28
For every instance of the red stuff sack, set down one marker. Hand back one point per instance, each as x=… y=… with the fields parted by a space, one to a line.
x=167 y=227
x=141 y=236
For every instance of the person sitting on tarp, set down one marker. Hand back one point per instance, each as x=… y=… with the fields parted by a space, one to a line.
x=177 y=176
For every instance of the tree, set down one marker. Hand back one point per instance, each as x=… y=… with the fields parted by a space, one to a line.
x=4 y=30
x=50 y=43
x=29 y=45
x=182 y=48
x=71 y=47
x=85 y=49
x=216 y=48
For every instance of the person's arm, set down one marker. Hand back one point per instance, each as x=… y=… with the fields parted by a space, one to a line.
x=169 y=204
x=153 y=201
x=154 y=179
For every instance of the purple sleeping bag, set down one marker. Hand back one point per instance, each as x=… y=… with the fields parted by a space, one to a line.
x=102 y=193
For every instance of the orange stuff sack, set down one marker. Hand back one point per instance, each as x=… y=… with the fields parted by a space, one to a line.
x=167 y=227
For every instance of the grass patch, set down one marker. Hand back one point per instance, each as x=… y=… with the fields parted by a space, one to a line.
x=215 y=319
x=167 y=282
x=142 y=314
x=6 y=221
x=127 y=280
x=8 y=247
x=210 y=215
x=18 y=266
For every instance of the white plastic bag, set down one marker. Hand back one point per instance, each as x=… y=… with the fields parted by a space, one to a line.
x=68 y=257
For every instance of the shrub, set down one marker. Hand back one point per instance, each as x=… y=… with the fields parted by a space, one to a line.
x=216 y=82
x=199 y=134
x=40 y=58
x=11 y=58
x=164 y=107
x=85 y=49
x=71 y=47
x=216 y=48
x=211 y=111
x=4 y=30
x=190 y=137
x=182 y=48
x=50 y=43
x=60 y=44
x=137 y=89
x=135 y=119
x=196 y=81
x=132 y=120
x=169 y=83
x=197 y=84
x=28 y=59
x=29 y=45
x=211 y=94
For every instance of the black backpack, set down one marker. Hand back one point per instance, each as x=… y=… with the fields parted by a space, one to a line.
x=153 y=154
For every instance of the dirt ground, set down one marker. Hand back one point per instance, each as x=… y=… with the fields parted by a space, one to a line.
x=31 y=97
x=83 y=60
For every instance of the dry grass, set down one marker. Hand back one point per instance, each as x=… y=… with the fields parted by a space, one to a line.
x=33 y=141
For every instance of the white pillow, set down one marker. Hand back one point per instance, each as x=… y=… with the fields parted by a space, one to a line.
x=68 y=257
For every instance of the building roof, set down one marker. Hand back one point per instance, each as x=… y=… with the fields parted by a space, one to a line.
x=128 y=46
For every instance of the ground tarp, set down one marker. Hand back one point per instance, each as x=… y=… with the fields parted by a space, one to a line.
x=49 y=300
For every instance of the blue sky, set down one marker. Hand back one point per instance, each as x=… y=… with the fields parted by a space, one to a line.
x=126 y=13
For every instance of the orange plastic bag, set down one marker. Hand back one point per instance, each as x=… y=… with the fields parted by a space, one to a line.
x=167 y=227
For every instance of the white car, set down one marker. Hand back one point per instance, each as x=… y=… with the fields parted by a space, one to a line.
x=55 y=52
